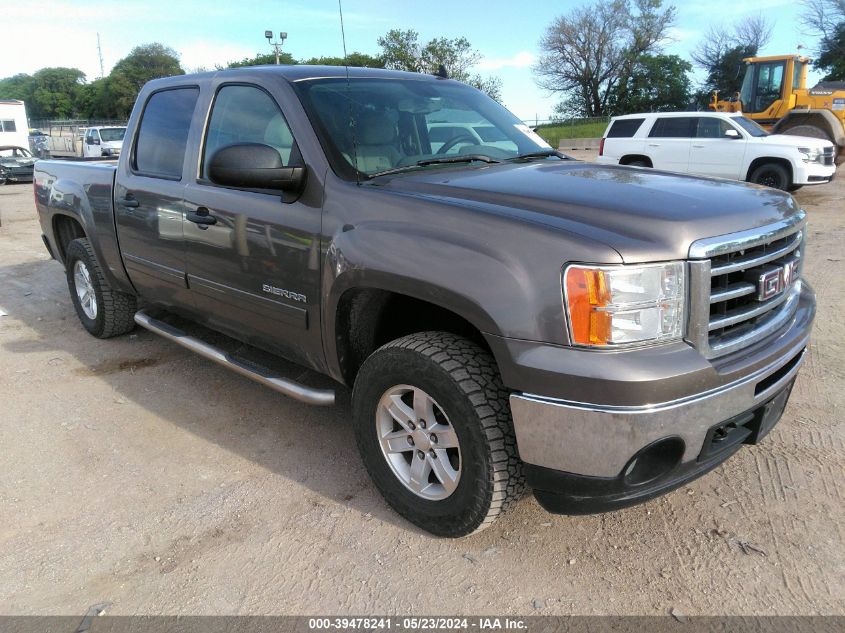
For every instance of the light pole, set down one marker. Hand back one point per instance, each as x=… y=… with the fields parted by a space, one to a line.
x=277 y=46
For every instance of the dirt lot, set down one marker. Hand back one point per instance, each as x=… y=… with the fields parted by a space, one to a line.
x=136 y=473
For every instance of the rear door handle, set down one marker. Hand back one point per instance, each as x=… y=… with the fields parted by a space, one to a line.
x=201 y=217
x=654 y=144
x=699 y=146
x=128 y=202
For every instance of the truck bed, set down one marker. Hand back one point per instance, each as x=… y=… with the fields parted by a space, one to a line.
x=82 y=190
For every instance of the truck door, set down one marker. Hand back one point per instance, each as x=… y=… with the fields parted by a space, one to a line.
x=669 y=141
x=91 y=144
x=148 y=198
x=253 y=256
x=713 y=153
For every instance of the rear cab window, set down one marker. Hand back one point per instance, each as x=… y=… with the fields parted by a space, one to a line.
x=162 y=138
x=624 y=128
x=673 y=127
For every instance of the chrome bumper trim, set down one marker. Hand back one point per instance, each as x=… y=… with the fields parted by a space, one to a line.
x=597 y=440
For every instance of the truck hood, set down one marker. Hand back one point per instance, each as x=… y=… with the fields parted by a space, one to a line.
x=787 y=140
x=644 y=214
x=113 y=144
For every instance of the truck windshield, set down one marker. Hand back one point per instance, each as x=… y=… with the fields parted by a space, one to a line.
x=110 y=134
x=749 y=126
x=381 y=125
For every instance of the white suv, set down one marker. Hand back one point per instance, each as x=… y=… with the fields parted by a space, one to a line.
x=717 y=144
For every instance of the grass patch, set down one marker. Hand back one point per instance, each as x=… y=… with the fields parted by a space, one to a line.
x=552 y=134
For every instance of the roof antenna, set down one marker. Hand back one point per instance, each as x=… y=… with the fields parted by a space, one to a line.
x=349 y=97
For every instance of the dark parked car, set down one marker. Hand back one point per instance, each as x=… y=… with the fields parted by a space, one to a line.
x=503 y=314
x=16 y=164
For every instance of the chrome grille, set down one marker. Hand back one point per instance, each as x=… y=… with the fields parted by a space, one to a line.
x=731 y=303
x=828 y=156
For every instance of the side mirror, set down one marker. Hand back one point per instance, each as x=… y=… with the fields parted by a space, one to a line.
x=732 y=134
x=254 y=166
x=95 y=141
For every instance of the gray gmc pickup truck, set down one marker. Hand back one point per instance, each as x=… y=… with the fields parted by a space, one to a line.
x=505 y=316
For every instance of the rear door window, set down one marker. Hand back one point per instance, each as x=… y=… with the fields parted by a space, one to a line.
x=674 y=127
x=163 y=133
x=624 y=128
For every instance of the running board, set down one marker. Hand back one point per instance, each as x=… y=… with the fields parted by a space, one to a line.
x=324 y=397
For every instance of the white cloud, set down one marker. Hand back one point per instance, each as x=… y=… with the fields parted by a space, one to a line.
x=523 y=59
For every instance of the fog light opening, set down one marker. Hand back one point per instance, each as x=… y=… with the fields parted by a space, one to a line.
x=654 y=461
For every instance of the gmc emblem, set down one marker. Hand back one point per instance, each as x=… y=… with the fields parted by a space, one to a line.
x=775 y=280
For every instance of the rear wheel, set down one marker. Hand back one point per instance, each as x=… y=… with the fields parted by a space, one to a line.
x=772 y=175
x=433 y=425
x=104 y=312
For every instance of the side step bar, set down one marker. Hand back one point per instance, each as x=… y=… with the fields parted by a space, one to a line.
x=290 y=388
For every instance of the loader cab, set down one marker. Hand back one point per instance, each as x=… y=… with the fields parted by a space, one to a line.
x=768 y=89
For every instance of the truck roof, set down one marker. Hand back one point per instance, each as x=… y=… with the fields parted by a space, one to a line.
x=303 y=72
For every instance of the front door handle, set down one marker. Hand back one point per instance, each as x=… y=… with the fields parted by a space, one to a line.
x=698 y=146
x=128 y=202
x=201 y=217
x=654 y=144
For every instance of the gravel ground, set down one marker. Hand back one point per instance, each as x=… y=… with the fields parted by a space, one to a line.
x=138 y=474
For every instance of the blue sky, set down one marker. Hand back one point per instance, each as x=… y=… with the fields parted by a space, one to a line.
x=204 y=32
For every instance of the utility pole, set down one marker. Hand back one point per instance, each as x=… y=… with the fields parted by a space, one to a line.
x=277 y=46
x=100 y=55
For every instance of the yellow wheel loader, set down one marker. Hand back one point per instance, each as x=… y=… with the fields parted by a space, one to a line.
x=774 y=93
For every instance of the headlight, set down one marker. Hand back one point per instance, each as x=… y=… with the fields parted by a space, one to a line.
x=809 y=155
x=611 y=306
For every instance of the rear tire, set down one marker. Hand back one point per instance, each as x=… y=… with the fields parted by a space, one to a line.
x=104 y=312
x=772 y=175
x=457 y=383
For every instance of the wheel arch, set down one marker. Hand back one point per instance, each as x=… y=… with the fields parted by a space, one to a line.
x=66 y=228
x=367 y=317
x=764 y=160
x=627 y=159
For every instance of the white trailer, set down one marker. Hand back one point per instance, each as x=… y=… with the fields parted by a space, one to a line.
x=14 y=128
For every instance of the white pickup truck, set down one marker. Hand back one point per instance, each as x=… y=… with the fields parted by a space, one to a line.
x=717 y=144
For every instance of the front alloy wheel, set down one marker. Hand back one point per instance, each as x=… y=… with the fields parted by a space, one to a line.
x=418 y=442
x=433 y=425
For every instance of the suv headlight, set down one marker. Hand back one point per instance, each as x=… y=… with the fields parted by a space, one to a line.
x=612 y=306
x=809 y=155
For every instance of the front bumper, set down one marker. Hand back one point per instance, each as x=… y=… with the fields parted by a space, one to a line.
x=814 y=174
x=587 y=456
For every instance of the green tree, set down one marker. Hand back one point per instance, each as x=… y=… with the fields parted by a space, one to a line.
x=721 y=51
x=361 y=60
x=402 y=50
x=592 y=51
x=17 y=87
x=826 y=20
x=144 y=63
x=831 y=58
x=56 y=92
x=262 y=59
x=658 y=83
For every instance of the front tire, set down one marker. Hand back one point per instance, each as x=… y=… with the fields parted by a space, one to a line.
x=433 y=426
x=104 y=312
x=772 y=175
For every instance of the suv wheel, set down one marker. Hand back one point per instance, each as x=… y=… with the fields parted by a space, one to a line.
x=432 y=421
x=771 y=175
x=102 y=311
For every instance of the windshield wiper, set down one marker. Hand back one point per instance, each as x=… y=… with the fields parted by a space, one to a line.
x=466 y=158
x=542 y=153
